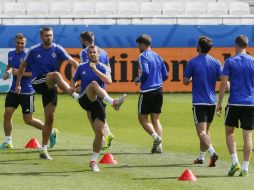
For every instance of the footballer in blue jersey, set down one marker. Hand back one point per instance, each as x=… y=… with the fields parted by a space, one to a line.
x=43 y=59
x=153 y=73
x=26 y=97
x=92 y=74
x=87 y=39
x=239 y=70
x=202 y=71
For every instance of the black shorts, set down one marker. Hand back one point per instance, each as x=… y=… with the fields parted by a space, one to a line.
x=244 y=114
x=26 y=101
x=48 y=95
x=150 y=102
x=203 y=113
x=96 y=108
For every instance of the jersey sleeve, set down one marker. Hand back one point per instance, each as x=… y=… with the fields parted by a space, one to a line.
x=226 y=69
x=77 y=75
x=144 y=69
x=63 y=54
x=164 y=72
x=188 y=70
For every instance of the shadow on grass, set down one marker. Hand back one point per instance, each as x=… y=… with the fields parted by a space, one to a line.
x=132 y=153
x=155 y=178
x=16 y=160
x=53 y=173
x=150 y=166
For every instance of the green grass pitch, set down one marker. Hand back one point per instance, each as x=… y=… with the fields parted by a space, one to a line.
x=137 y=168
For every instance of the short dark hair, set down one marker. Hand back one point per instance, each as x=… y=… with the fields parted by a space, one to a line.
x=87 y=36
x=93 y=47
x=20 y=36
x=242 y=41
x=205 y=43
x=45 y=28
x=144 y=39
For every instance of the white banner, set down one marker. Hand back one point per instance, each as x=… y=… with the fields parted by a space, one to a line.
x=4 y=84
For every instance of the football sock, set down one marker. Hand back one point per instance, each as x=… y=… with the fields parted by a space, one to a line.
x=245 y=165
x=234 y=159
x=95 y=156
x=8 y=139
x=201 y=155
x=108 y=99
x=211 y=150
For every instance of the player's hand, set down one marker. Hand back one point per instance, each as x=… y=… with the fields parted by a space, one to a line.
x=15 y=72
x=92 y=65
x=218 y=109
x=6 y=75
x=137 y=80
x=17 y=89
x=72 y=89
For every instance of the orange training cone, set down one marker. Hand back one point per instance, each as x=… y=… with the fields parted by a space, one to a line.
x=33 y=143
x=187 y=176
x=108 y=159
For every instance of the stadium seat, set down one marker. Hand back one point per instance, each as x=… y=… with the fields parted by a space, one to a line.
x=206 y=1
x=128 y=8
x=195 y=8
x=105 y=9
x=13 y=9
x=1 y=9
x=172 y=9
x=150 y=8
x=37 y=9
x=160 y=1
x=239 y=8
x=83 y=9
x=60 y=9
x=93 y=1
x=31 y=1
x=139 y=1
x=217 y=9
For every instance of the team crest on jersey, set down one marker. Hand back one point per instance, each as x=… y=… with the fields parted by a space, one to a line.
x=84 y=73
x=38 y=56
x=21 y=60
x=54 y=54
x=10 y=58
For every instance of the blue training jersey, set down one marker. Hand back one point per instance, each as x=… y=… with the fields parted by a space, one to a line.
x=43 y=61
x=14 y=60
x=85 y=73
x=103 y=56
x=240 y=70
x=204 y=70
x=153 y=71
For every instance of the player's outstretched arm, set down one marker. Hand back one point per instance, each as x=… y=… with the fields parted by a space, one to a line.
x=73 y=62
x=7 y=72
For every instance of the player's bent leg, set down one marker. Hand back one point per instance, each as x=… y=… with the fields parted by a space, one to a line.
x=56 y=78
x=155 y=119
x=143 y=120
x=98 y=129
x=34 y=122
x=49 y=112
x=7 y=144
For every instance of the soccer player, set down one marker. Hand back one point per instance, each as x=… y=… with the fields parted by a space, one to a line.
x=43 y=59
x=203 y=70
x=239 y=70
x=153 y=73
x=25 y=98
x=92 y=75
x=87 y=39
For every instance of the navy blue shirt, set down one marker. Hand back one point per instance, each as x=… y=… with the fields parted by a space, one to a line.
x=204 y=70
x=240 y=70
x=85 y=73
x=153 y=71
x=14 y=60
x=43 y=61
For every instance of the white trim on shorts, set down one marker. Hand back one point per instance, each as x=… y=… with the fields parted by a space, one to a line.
x=31 y=104
x=140 y=103
x=195 y=115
